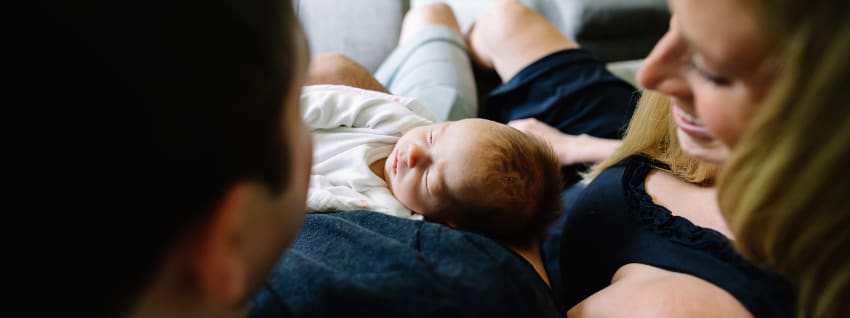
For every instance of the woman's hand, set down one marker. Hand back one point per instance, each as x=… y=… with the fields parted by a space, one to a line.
x=559 y=141
x=570 y=149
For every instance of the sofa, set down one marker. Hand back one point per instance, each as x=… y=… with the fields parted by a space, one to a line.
x=619 y=32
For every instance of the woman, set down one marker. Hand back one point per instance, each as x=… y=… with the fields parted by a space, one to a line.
x=718 y=64
x=788 y=80
x=646 y=236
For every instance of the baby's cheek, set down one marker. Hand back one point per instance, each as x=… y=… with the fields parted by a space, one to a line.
x=404 y=195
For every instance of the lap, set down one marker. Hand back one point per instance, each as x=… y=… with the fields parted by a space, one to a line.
x=432 y=65
x=569 y=90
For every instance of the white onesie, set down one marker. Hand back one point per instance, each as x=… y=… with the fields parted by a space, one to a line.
x=351 y=129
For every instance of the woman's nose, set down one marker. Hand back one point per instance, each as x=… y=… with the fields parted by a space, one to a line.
x=415 y=155
x=664 y=69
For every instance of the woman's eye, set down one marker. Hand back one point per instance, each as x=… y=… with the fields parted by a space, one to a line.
x=427 y=172
x=714 y=79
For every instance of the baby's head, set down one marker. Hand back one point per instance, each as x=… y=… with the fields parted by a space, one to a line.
x=478 y=175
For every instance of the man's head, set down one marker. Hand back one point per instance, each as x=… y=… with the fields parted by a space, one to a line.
x=190 y=131
x=477 y=175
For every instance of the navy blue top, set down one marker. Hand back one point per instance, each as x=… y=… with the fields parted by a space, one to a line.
x=614 y=222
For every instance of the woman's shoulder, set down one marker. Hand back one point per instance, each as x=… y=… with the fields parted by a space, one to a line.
x=613 y=182
x=644 y=291
x=630 y=167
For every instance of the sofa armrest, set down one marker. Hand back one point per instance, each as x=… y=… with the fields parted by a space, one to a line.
x=615 y=30
x=626 y=70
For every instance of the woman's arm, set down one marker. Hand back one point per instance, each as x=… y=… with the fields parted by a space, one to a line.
x=570 y=149
x=639 y=290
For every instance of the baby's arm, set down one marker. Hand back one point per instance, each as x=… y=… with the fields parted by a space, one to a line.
x=570 y=149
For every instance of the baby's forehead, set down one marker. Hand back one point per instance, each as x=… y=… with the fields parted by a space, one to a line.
x=476 y=155
x=472 y=175
x=483 y=139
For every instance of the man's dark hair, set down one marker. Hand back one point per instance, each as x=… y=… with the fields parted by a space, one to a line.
x=167 y=105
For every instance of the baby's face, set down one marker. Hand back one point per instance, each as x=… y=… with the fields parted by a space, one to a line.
x=432 y=164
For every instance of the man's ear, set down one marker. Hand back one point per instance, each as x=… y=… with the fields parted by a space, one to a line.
x=219 y=265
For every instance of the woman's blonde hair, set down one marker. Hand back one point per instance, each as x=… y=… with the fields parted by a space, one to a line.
x=652 y=133
x=786 y=189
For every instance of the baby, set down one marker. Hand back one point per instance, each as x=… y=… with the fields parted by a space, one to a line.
x=385 y=153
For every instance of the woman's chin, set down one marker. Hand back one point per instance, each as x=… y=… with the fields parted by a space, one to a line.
x=708 y=150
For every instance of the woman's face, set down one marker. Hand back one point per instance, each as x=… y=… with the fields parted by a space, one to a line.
x=715 y=65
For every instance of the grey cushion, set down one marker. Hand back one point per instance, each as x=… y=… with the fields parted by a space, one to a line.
x=367 y=30
x=364 y=30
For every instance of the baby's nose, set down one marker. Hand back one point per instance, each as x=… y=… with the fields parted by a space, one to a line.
x=415 y=155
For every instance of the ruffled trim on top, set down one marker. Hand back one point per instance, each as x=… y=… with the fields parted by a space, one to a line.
x=661 y=221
